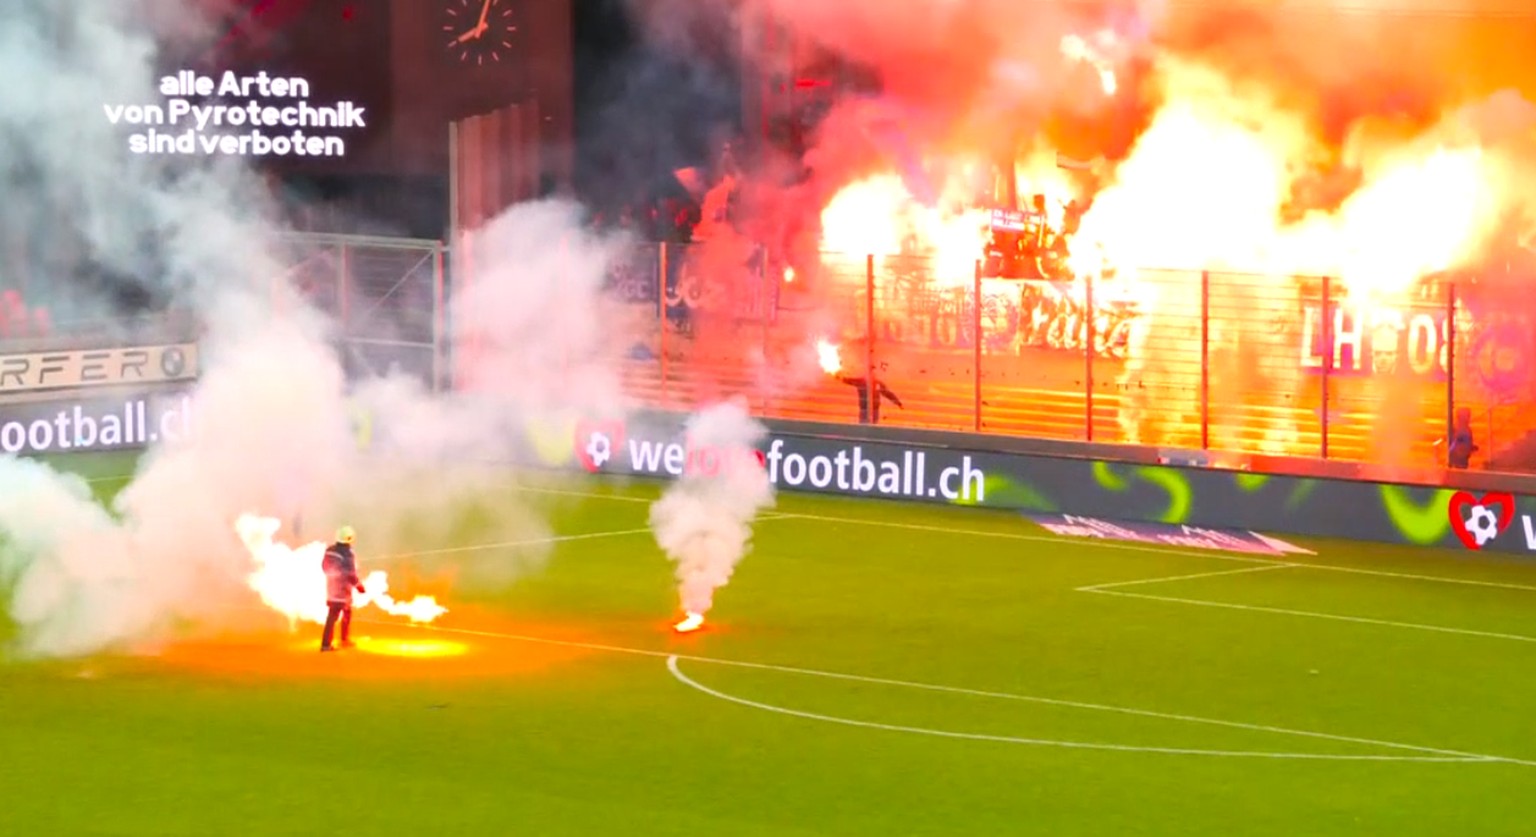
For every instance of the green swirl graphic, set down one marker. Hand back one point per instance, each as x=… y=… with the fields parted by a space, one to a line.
x=1180 y=493
x=1104 y=474
x=1423 y=524
x=1250 y=483
x=1001 y=489
x=1299 y=494
x=362 y=427
x=1173 y=483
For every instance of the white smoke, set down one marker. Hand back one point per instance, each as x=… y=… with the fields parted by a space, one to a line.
x=273 y=411
x=704 y=520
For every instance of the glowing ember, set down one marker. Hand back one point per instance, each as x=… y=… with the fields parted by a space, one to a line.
x=826 y=355
x=789 y=275
x=290 y=580
x=693 y=622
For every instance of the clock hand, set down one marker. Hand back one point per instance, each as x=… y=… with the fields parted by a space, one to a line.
x=485 y=12
x=471 y=34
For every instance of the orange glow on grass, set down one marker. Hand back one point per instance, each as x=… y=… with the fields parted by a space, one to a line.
x=291 y=581
x=418 y=648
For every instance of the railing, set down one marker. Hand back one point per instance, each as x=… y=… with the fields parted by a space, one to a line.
x=1207 y=361
x=386 y=294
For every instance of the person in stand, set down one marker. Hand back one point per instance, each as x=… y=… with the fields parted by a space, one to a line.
x=1462 y=445
x=869 y=407
x=340 y=580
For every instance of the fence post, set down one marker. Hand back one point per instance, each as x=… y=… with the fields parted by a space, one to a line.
x=1450 y=373
x=1205 y=360
x=976 y=338
x=344 y=288
x=869 y=331
x=767 y=308
x=1328 y=349
x=440 y=350
x=1088 y=341
x=661 y=321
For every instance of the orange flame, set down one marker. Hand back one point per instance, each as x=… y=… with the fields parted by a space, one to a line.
x=290 y=580
x=827 y=356
x=1078 y=48
x=692 y=622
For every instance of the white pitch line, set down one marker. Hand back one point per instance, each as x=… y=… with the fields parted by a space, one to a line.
x=589 y=495
x=483 y=547
x=1044 y=701
x=1169 y=578
x=677 y=673
x=1100 y=543
x=1019 y=536
x=1314 y=615
x=510 y=544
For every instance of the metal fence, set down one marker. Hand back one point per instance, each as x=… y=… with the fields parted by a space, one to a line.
x=386 y=295
x=1281 y=366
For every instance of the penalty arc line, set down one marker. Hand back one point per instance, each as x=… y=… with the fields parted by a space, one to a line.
x=677 y=673
x=932 y=687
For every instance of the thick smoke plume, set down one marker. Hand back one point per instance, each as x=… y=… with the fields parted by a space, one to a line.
x=1267 y=144
x=704 y=520
x=275 y=416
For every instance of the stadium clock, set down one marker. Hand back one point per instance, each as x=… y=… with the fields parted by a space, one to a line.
x=478 y=33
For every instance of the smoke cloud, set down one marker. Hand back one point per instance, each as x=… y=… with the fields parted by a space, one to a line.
x=275 y=415
x=704 y=520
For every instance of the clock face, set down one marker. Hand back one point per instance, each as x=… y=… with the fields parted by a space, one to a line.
x=478 y=33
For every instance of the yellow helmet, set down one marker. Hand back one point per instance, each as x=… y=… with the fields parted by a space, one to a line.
x=345 y=535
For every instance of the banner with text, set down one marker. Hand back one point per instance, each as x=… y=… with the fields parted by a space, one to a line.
x=652 y=445
x=85 y=368
x=97 y=424
x=230 y=114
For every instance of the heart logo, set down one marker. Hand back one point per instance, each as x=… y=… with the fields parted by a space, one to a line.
x=597 y=442
x=1473 y=518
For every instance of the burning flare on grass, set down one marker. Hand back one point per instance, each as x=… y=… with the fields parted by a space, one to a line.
x=693 y=622
x=291 y=581
x=827 y=356
x=704 y=520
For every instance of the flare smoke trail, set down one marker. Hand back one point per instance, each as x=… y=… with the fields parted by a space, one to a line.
x=272 y=408
x=704 y=520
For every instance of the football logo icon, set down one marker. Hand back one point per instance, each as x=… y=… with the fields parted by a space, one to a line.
x=597 y=443
x=1478 y=520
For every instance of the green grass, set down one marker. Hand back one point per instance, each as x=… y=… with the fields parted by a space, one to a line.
x=579 y=727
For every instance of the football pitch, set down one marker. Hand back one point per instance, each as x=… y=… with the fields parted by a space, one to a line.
x=873 y=668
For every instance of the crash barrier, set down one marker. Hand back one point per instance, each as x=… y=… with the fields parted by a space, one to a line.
x=1155 y=503
x=1293 y=366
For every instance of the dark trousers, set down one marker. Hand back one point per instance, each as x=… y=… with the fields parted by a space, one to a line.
x=334 y=610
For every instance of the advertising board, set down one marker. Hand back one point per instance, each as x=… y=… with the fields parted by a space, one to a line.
x=653 y=445
x=83 y=424
x=73 y=369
